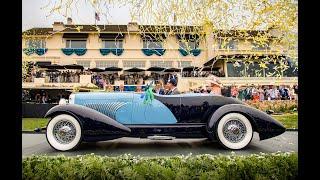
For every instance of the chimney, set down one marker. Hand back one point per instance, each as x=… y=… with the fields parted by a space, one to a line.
x=133 y=26
x=69 y=21
x=58 y=26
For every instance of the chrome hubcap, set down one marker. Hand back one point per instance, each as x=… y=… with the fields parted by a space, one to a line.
x=234 y=130
x=64 y=132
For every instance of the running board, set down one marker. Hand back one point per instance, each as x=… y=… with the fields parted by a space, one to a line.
x=43 y=129
x=155 y=137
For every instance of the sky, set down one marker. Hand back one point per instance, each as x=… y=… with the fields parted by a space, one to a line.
x=34 y=14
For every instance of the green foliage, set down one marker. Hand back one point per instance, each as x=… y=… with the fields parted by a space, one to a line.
x=257 y=166
x=278 y=106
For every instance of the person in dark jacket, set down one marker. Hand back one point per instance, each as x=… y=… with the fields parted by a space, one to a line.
x=172 y=85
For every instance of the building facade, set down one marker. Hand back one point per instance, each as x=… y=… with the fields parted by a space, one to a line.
x=143 y=46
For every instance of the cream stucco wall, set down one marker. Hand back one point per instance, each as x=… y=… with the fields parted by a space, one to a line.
x=132 y=51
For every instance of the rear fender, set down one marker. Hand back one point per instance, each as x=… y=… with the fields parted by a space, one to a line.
x=220 y=112
x=261 y=122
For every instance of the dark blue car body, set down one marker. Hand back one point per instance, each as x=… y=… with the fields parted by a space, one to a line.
x=105 y=116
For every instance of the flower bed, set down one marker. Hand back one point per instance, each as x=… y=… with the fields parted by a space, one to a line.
x=262 y=166
x=278 y=106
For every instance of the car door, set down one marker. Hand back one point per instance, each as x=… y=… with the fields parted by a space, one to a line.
x=166 y=109
x=194 y=108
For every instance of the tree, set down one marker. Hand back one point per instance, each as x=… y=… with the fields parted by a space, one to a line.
x=277 y=19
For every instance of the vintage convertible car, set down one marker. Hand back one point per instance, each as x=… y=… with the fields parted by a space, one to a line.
x=100 y=116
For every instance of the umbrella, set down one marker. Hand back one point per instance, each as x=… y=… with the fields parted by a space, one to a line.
x=74 y=66
x=190 y=68
x=96 y=70
x=172 y=70
x=155 y=68
x=113 y=69
x=209 y=68
x=134 y=70
x=42 y=64
x=54 y=66
x=52 y=70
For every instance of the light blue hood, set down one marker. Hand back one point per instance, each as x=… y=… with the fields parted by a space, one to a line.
x=125 y=107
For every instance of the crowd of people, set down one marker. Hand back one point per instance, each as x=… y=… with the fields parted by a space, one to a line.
x=43 y=96
x=106 y=81
x=202 y=73
x=99 y=78
x=64 y=76
x=56 y=76
x=256 y=93
x=261 y=93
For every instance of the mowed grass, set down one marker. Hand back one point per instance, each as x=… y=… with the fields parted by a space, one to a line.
x=289 y=120
x=29 y=124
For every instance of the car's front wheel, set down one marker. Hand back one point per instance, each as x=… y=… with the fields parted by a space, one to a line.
x=63 y=132
x=234 y=131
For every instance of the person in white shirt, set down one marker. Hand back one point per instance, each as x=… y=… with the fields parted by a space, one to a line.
x=269 y=91
x=273 y=93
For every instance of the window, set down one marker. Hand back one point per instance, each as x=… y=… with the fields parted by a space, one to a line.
x=149 y=44
x=227 y=44
x=183 y=64
x=76 y=43
x=138 y=64
x=85 y=64
x=164 y=64
x=270 y=71
x=105 y=64
x=112 y=44
x=235 y=69
x=292 y=70
x=189 y=44
x=36 y=43
x=254 y=70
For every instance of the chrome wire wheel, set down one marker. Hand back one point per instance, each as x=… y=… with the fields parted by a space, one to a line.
x=234 y=131
x=63 y=132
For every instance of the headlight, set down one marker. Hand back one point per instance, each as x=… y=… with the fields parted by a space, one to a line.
x=62 y=101
x=71 y=98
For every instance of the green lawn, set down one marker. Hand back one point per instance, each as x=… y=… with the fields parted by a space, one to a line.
x=288 y=120
x=29 y=124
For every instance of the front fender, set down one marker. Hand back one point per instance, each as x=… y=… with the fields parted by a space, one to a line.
x=96 y=126
x=262 y=123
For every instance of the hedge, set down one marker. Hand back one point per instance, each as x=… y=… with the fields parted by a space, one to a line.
x=278 y=106
x=256 y=166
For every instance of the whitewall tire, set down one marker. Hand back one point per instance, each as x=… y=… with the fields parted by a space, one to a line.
x=63 y=132
x=234 y=131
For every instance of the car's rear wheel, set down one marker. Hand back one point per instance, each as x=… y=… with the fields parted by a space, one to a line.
x=63 y=132
x=234 y=131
